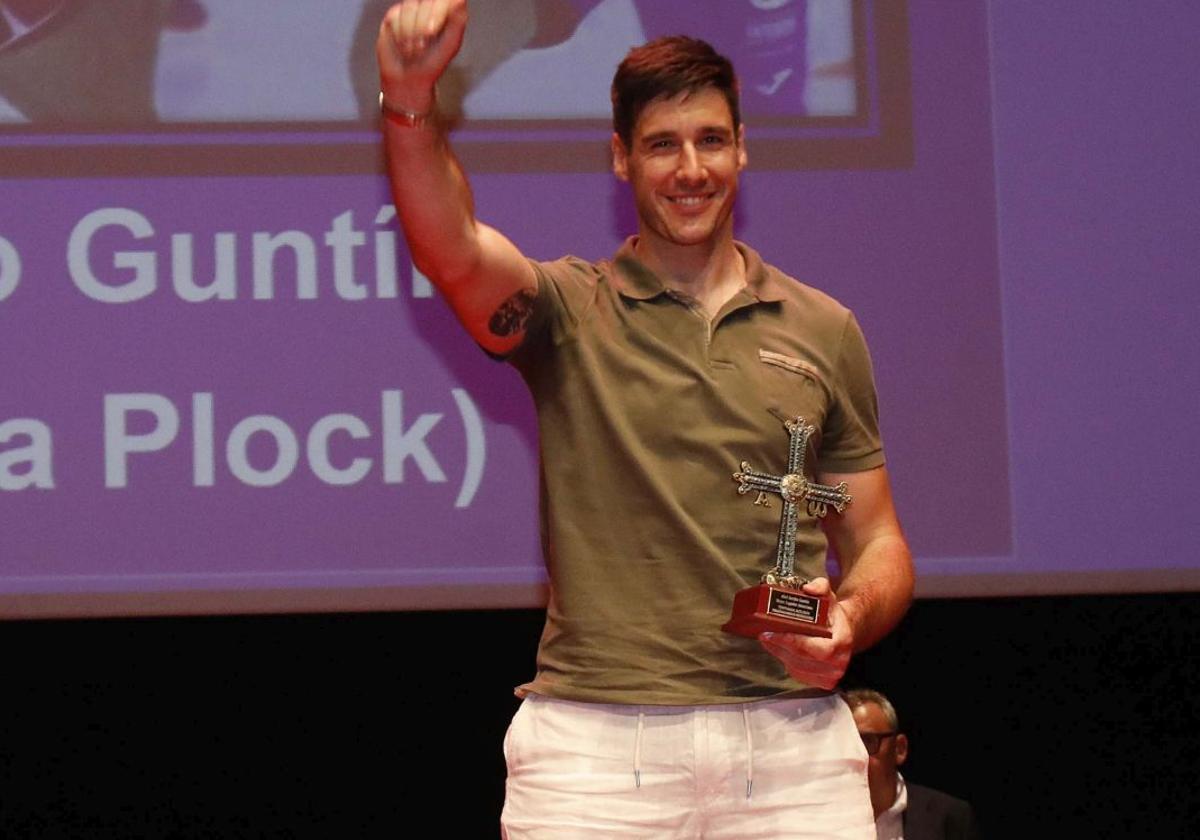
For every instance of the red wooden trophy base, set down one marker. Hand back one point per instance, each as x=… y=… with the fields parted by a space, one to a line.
x=779 y=609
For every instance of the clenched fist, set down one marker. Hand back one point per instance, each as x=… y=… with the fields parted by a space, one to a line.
x=417 y=41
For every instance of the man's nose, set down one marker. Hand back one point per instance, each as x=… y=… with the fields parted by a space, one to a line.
x=690 y=166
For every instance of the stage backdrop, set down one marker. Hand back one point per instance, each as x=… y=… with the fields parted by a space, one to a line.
x=224 y=388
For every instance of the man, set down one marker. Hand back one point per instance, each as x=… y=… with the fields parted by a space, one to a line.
x=903 y=811
x=654 y=374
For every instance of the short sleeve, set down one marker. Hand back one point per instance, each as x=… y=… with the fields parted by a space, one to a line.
x=566 y=289
x=850 y=440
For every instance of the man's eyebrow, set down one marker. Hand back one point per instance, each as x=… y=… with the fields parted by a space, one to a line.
x=658 y=135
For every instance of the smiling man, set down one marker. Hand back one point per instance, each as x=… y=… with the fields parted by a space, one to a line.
x=655 y=374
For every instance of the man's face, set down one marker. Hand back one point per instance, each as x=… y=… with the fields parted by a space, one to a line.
x=882 y=767
x=683 y=165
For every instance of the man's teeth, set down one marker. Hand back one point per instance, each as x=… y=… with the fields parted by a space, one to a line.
x=689 y=199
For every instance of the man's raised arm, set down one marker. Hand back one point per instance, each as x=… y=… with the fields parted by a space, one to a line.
x=486 y=280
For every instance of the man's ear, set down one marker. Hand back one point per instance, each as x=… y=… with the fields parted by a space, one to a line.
x=620 y=158
x=901 y=749
x=742 y=157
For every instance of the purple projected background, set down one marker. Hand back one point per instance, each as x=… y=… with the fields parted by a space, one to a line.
x=1096 y=118
x=1000 y=294
x=383 y=505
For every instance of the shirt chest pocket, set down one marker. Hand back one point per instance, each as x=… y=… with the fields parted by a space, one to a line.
x=793 y=387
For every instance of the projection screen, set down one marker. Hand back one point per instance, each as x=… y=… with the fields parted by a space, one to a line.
x=226 y=389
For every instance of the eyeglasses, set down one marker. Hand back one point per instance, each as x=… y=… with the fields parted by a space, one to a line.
x=874 y=740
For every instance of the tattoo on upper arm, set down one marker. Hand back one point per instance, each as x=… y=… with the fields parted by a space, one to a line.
x=512 y=315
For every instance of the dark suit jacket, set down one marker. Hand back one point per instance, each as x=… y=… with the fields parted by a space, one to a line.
x=933 y=815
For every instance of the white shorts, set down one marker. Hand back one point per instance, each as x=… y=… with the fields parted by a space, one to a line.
x=774 y=770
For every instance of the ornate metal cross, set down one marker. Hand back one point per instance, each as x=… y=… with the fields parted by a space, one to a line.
x=792 y=487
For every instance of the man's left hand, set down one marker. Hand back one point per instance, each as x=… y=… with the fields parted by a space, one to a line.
x=811 y=659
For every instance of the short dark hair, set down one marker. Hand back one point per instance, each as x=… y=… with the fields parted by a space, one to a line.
x=862 y=696
x=664 y=68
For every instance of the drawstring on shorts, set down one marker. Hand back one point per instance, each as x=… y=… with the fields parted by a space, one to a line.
x=749 y=751
x=637 y=750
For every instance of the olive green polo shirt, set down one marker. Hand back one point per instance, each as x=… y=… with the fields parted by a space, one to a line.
x=645 y=411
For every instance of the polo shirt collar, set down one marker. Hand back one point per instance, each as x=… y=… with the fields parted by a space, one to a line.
x=636 y=281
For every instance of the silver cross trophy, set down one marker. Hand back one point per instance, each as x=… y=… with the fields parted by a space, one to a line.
x=778 y=602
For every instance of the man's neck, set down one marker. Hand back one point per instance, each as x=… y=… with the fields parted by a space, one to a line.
x=882 y=801
x=710 y=273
